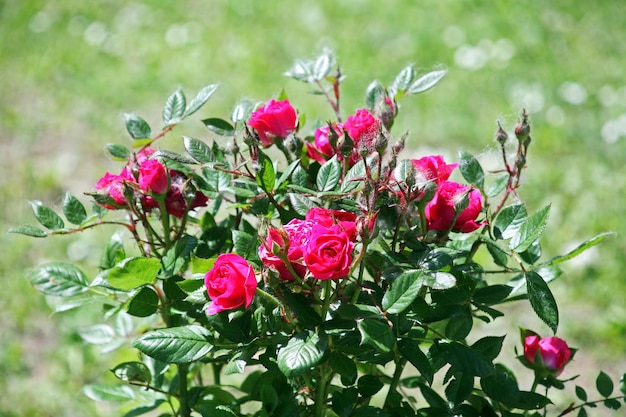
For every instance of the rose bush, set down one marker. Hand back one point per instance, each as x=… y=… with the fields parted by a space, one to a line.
x=342 y=281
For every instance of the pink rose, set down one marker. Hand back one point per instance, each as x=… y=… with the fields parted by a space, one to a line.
x=276 y=119
x=328 y=254
x=326 y=217
x=434 y=168
x=322 y=149
x=362 y=127
x=551 y=353
x=175 y=201
x=297 y=233
x=440 y=211
x=114 y=186
x=230 y=284
x=153 y=177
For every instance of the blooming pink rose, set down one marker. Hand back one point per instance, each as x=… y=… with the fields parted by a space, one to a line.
x=276 y=119
x=440 y=211
x=230 y=284
x=297 y=233
x=434 y=168
x=326 y=217
x=153 y=177
x=362 y=127
x=321 y=149
x=328 y=254
x=551 y=353
x=114 y=185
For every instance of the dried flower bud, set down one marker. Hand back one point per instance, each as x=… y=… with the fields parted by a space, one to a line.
x=501 y=135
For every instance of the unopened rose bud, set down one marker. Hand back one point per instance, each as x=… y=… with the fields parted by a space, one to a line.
x=501 y=135
x=381 y=143
x=522 y=128
x=549 y=354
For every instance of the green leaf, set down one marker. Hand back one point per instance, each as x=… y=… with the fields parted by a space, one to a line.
x=509 y=220
x=502 y=387
x=99 y=334
x=303 y=351
x=202 y=97
x=465 y=359
x=581 y=394
x=174 y=108
x=113 y=252
x=133 y=272
x=113 y=393
x=375 y=91
x=471 y=170
x=287 y=173
x=219 y=126
x=173 y=156
x=541 y=300
x=500 y=256
x=530 y=230
x=459 y=326
x=492 y=294
x=198 y=150
x=179 y=255
x=329 y=174
x=58 y=279
x=426 y=81
x=31 y=231
x=377 y=334
x=489 y=347
x=137 y=127
x=266 y=175
x=369 y=385
x=176 y=344
x=354 y=177
x=344 y=366
x=498 y=185
x=73 y=209
x=133 y=372
x=302 y=308
x=244 y=243
x=241 y=111
x=402 y=292
x=118 y=152
x=439 y=280
x=404 y=79
x=411 y=351
x=622 y=384
x=604 y=384
x=46 y=216
x=143 y=304
x=580 y=248
x=322 y=65
x=300 y=203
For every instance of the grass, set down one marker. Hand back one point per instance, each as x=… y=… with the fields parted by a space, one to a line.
x=70 y=69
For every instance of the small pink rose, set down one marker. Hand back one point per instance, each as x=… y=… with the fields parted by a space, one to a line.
x=153 y=177
x=327 y=217
x=322 y=149
x=551 y=353
x=362 y=127
x=440 y=211
x=231 y=283
x=297 y=233
x=328 y=254
x=276 y=119
x=434 y=168
x=114 y=185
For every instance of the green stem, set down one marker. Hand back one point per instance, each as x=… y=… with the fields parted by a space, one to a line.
x=393 y=386
x=184 y=409
x=320 y=394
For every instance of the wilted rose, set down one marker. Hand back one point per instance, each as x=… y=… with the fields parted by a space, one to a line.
x=276 y=119
x=113 y=185
x=231 y=283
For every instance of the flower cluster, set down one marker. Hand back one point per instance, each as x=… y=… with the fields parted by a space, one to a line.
x=150 y=182
x=339 y=281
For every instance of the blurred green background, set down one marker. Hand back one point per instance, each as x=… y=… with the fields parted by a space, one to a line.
x=70 y=69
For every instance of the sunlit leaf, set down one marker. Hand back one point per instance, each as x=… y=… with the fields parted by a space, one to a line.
x=174 y=108
x=176 y=344
x=541 y=300
x=113 y=393
x=58 y=279
x=46 y=216
x=202 y=97
x=530 y=230
x=73 y=209
x=137 y=127
x=302 y=352
x=427 y=81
